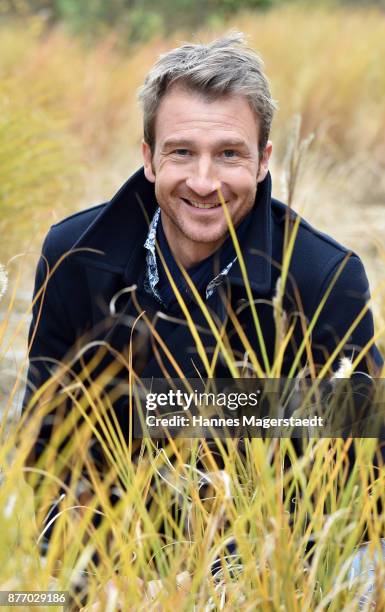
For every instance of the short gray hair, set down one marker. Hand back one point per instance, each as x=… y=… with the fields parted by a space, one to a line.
x=223 y=67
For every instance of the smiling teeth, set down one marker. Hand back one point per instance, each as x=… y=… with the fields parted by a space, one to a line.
x=200 y=205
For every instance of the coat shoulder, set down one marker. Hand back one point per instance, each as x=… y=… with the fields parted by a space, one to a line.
x=63 y=235
x=316 y=258
x=312 y=246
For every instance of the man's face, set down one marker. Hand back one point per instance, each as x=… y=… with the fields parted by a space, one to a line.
x=202 y=146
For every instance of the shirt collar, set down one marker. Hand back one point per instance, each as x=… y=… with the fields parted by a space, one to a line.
x=152 y=273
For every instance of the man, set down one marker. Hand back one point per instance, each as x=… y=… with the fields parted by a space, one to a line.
x=120 y=278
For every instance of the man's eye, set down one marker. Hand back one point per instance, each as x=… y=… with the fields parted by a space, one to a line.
x=182 y=152
x=229 y=153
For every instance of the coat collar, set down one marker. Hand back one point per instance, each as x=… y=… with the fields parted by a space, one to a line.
x=120 y=229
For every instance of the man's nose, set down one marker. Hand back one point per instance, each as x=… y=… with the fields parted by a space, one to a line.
x=202 y=180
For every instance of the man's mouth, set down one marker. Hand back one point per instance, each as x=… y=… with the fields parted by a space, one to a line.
x=197 y=204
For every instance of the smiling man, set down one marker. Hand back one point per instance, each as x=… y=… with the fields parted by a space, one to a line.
x=202 y=147
x=127 y=267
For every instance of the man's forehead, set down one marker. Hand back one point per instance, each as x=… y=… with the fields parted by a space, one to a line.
x=185 y=118
x=179 y=98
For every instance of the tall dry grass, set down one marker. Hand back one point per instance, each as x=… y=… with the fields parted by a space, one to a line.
x=67 y=108
x=168 y=540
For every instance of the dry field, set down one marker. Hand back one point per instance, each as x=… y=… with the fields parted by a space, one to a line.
x=70 y=130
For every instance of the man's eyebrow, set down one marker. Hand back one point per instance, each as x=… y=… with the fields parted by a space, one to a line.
x=223 y=143
x=174 y=143
x=231 y=142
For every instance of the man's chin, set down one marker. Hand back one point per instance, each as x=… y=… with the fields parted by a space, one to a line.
x=212 y=241
x=202 y=232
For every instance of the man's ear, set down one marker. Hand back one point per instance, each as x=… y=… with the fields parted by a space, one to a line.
x=264 y=162
x=147 y=162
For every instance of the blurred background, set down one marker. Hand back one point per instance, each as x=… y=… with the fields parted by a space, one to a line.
x=70 y=125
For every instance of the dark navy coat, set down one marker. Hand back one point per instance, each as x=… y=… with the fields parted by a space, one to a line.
x=103 y=254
